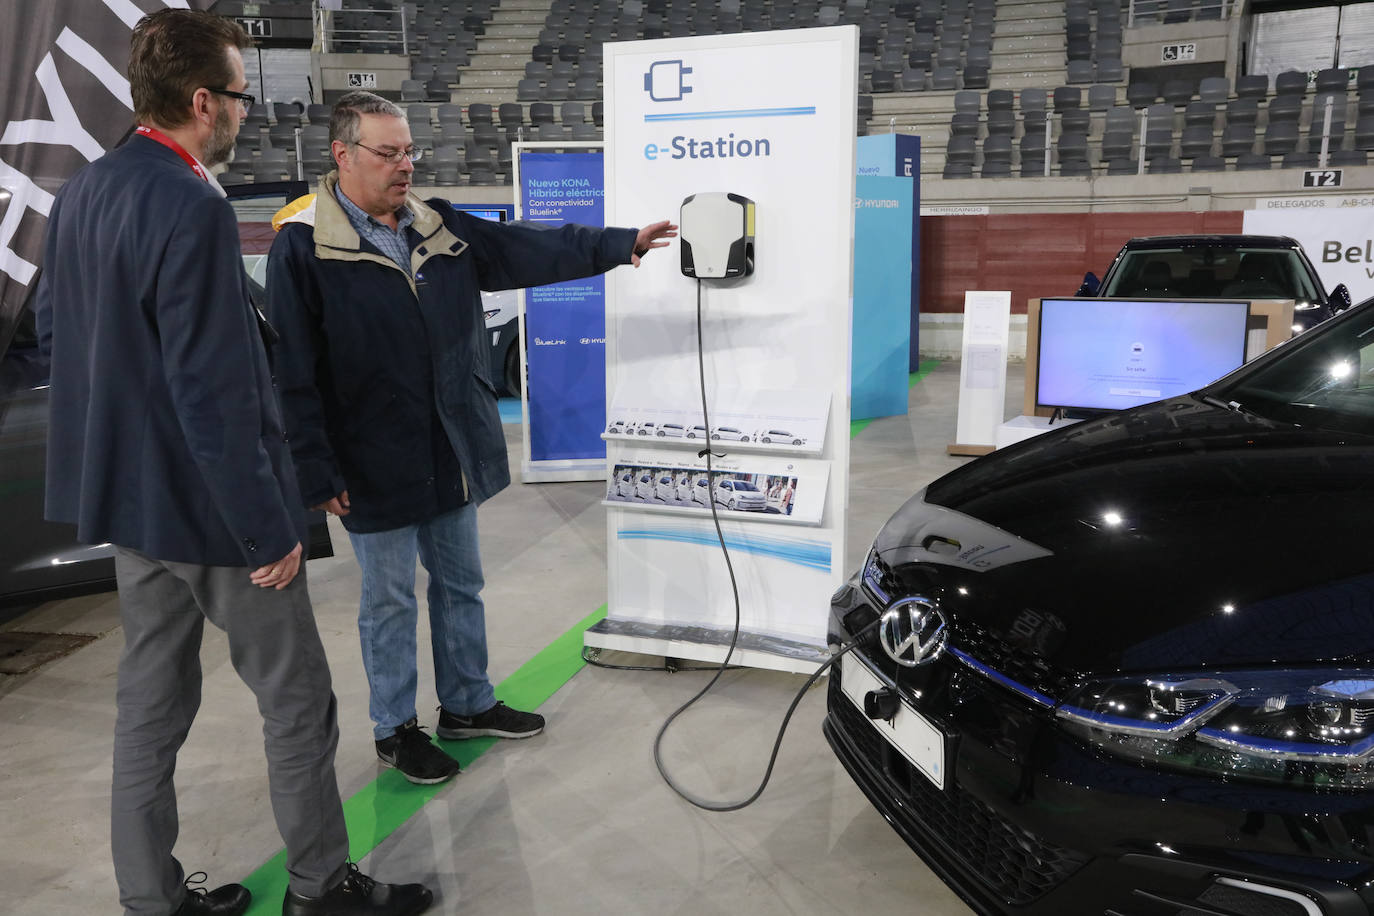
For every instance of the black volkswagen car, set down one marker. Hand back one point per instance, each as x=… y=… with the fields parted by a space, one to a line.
x=1127 y=667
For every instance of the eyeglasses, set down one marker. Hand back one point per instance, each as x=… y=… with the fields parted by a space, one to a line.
x=246 y=101
x=394 y=156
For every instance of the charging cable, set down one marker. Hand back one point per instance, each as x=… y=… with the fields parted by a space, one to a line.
x=707 y=803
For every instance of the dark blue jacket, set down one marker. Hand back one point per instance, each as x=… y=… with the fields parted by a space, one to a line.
x=165 y=435
x=384 y=379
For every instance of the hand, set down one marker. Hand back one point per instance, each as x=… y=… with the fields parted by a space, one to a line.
x=278 y=575
x=650 y=236
x=337 y=506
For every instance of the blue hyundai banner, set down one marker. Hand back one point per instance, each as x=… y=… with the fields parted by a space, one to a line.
x=565 y=323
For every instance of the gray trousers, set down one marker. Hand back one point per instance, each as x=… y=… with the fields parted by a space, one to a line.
x=275 y=647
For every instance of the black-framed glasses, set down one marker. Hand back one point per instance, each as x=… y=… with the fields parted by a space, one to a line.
x=245 y=100
x=393 y=156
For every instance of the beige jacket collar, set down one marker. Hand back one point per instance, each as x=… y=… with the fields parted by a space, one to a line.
x=337 y=240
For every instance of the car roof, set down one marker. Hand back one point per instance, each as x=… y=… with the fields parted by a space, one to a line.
x=1210 y=241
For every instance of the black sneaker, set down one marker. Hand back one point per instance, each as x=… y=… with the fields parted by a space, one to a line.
x=499 y=722
x=419 y=759
x=359 y=895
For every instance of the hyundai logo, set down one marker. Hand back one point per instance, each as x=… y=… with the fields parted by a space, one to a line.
x=913 y=632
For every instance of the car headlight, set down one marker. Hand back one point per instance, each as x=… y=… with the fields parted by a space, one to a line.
x=1300 y=727
x=873 y=574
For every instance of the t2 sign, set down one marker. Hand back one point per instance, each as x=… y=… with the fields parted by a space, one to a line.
x=1321 y=178
x=1169 y=54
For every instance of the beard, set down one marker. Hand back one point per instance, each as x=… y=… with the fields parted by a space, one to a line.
x=220 y=147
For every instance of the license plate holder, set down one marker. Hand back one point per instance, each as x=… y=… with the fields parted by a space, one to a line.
x=911 y=734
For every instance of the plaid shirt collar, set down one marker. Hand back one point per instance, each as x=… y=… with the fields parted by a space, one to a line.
x=391 y=242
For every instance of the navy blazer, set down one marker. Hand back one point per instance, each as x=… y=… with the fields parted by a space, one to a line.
x=165 y=435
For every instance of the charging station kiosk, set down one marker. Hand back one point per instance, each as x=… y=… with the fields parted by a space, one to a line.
x=749 y=141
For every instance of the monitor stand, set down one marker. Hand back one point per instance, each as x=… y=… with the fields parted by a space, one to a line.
x=1077 y=413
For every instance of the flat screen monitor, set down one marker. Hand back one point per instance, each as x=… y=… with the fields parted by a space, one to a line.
x=497 y=213
x=1110 y=354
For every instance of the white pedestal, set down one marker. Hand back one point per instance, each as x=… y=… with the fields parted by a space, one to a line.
x=1019 y=428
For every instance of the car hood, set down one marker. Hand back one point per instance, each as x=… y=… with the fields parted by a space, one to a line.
x=1172 y=536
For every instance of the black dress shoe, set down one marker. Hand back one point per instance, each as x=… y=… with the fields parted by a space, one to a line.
x=359 y=895
x=229 y=900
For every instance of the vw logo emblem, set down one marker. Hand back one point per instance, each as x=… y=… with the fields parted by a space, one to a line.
x=913 y=632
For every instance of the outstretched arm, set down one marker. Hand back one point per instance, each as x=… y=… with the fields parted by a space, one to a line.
x=653 y=236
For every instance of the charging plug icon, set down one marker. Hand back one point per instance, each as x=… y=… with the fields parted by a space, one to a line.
x=666 y=81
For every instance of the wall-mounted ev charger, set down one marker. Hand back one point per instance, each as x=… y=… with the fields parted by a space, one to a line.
x=716 y=236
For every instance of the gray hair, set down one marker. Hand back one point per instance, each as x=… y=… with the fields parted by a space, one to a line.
x=348 y=112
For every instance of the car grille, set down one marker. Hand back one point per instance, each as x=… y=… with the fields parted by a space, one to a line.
x=1018 y=866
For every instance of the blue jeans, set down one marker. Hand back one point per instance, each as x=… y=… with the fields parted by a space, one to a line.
x=447 y=547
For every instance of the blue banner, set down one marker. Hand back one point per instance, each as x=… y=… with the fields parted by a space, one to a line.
x=882 y=287
x=565 y=323
x=899 y=156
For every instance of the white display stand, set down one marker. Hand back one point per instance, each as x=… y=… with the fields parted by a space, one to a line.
x=982 y=371
x=770 y=116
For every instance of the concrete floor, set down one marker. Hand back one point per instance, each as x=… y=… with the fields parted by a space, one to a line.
x=575 y=821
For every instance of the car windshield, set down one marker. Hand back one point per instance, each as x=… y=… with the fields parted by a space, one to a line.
x=1210 y=273
x=745 y=485
x=1326 y=380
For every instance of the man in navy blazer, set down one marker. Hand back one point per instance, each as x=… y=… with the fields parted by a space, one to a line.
x=166 y=441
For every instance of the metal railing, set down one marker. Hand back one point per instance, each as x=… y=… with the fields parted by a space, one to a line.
x=366 y=26
x=1141 y=12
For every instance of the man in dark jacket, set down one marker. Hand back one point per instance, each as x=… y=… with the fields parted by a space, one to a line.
x=166 y=440
x=390 y=412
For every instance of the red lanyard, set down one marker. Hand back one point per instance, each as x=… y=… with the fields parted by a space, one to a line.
x=153 y=133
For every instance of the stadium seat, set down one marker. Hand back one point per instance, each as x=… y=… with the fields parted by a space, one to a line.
x=1291 y=82
x=1066 y=97
x=1196 y=141
x=996 y=169
x=1237 y=139
x=1215 y=89
x=1252 y=86
x=1200 y=114
x=1001 y=100
x=1333 y=79
x=1101 y=98
x=1109 y=68
x=1241 y=111
x=1117 y=145
x=1141 y=93
x=1178 y=92
x=1035 y=99
x=1284 y=108
x=1252 y=162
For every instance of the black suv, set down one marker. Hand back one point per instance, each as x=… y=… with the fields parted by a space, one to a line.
x=1220 y=267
